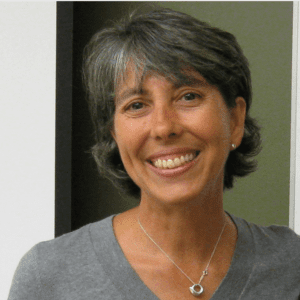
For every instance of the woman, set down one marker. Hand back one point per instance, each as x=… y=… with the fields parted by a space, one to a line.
x=170 y=98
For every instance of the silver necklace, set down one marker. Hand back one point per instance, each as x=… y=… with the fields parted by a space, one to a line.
x=196 y=289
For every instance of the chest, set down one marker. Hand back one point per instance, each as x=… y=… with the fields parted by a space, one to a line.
x=168 y=282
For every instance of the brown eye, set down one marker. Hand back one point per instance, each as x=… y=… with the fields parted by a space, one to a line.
x=136 y=106
x=190 y=96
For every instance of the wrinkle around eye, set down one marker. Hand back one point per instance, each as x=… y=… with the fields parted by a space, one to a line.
x=136 y=109
x=196 y=99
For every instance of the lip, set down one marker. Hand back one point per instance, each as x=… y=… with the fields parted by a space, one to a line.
x=171 y=153
x=169 y=173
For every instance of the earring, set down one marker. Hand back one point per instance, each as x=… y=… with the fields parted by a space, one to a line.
x=233 y=146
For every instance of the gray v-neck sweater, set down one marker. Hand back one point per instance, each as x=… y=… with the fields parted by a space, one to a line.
x=89 y=264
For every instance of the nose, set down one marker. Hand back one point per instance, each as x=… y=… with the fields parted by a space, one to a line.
x=165 y=123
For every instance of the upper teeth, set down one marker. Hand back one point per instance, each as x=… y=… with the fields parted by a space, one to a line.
x=173 y=163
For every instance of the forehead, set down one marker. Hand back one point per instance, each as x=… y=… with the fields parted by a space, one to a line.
x=132 y=81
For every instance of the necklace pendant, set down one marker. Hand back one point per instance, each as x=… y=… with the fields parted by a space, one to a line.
x=196 y=289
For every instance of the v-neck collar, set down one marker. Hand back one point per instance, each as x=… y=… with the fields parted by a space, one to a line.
x=131 y=287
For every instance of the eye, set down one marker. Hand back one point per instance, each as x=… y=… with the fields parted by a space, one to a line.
x=190 y=96
x=135 y=106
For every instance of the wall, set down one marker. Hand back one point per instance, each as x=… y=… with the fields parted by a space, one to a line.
x=294 y=215
x=27 y=126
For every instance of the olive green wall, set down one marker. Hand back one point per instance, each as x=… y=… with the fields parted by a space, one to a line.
x=264 y=31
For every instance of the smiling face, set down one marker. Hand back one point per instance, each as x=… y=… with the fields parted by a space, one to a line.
x=174 y=139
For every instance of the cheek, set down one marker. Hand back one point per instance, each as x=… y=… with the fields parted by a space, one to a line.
x=211 y=126
x=128 y=136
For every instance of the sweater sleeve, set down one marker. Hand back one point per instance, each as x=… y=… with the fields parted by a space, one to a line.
x=26 y=281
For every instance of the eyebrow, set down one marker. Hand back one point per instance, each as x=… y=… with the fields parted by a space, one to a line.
x=129 y=93
x=190 y=81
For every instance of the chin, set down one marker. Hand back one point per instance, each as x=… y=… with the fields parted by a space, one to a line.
x=176 y=195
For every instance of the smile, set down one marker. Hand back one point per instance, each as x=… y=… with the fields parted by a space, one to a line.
x=175 y=162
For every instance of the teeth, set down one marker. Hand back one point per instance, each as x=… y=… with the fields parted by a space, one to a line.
x=164 y=164
x=177 y=162
x=173 y=163
x=170 y=164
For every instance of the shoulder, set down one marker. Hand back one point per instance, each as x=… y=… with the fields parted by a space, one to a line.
x=275 y=239
x=274 y=271
x=273 y=245
x=269 y=236
x=71 y=249
x=52 y=267
x=74 y=244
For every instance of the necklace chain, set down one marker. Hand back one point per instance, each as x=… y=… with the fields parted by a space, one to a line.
x=204 y=273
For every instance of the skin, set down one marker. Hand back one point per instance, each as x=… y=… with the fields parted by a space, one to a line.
x=183 y=212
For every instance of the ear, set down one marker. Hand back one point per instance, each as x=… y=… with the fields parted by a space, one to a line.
x=237 y=122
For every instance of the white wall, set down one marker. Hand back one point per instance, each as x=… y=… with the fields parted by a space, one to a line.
x=295 y=126
x=27 y=130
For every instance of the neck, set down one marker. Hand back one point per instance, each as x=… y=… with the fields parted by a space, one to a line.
x=182 y=229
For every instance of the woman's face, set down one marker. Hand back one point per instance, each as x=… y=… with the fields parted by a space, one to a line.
x=174 y=139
